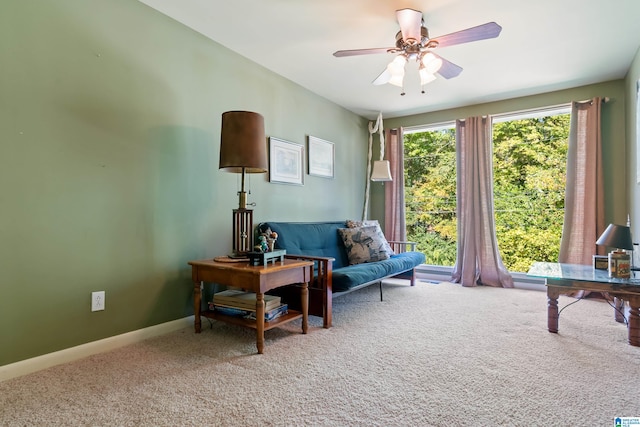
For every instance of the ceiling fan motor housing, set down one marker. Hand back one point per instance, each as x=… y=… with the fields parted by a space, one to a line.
x=424 y=40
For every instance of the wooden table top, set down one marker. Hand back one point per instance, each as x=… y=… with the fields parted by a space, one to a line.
x=244 y=266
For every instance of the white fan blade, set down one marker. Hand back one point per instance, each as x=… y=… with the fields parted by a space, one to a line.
x=354 y=52
x=489 y=30
x=448 y=70
x=410 y=23
x=383 y=78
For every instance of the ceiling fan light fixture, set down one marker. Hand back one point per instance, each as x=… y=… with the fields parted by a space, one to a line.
x=425 y=76
x=396 y=70
x=397 y=80
x=398 y=62
x=431 y=63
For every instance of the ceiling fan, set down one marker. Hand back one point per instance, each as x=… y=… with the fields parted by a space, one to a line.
x=413 y=44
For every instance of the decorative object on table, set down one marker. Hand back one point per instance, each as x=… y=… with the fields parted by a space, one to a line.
x=285 y=162
x=619 y=264
x=263 y=258
x=262 y=245
x=266 y=241
x=618 y=237
x=243 y=150
x=271 y=237
x=601 y=262
x=321 y=157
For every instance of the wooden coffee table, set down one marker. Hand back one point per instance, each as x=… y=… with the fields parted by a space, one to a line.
x=258 y=279
x=565 y=278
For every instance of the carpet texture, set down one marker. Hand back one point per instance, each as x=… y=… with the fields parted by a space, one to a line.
x=431 y=355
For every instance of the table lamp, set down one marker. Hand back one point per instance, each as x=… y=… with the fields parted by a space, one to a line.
x=619 y=238
x=243 y=149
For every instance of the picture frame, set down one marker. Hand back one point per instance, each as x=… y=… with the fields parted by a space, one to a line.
x=285 y=162
x=321 y=157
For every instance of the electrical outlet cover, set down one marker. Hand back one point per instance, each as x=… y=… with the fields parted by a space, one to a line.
x=97 y=301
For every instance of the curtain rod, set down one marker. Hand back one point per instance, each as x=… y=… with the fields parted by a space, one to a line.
x=603 y=100
x=549 y=108
x=452 y=123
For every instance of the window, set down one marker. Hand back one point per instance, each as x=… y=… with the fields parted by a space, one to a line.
x=529 y=152
x=430 y=191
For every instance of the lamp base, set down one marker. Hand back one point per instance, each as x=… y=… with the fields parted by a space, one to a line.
x=239 y=256
x=242 y=232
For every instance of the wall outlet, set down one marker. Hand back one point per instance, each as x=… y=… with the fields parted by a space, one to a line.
x=97 y=301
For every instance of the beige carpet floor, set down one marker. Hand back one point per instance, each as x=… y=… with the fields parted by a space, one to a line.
x=433 y=355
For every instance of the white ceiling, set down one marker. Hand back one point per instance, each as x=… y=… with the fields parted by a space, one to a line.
x=545 y=45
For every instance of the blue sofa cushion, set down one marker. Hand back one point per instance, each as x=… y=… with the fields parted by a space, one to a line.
x=348 y=277
x=310 y=238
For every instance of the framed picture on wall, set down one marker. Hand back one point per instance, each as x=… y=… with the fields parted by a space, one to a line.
x=285 y=162
x=321 y=157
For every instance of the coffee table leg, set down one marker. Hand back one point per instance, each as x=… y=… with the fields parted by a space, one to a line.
x=552 y=309
x=260 y=322
x=618 y=313
x=634 y=320
x=304 y=295
x=197 y=297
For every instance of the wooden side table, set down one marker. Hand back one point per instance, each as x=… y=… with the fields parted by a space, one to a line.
x=258 y=279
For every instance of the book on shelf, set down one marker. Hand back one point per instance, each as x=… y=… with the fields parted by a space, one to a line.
x=248 y=314
x=244 y=300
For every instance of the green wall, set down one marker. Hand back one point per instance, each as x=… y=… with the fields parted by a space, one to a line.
x=613 y=136
x=110 y=121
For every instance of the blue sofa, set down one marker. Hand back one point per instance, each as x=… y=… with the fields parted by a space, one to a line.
x=322 y=243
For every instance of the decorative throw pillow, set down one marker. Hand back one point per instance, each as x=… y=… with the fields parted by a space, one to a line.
x=363 y=244
x=372 y=223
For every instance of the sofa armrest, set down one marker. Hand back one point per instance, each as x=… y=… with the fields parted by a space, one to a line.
x=399 y=247
x=322 y=281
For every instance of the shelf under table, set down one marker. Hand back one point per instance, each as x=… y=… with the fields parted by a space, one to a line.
x=249 y=323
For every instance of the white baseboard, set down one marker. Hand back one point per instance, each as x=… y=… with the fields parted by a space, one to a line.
x=38 y=363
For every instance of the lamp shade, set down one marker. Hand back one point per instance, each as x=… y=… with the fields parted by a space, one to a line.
x=243 y=143
x=616 y=236
x=381 y=171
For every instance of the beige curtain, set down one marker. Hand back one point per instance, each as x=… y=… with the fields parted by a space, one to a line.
x=584 y=194
x=394 y=210
x=478 y=261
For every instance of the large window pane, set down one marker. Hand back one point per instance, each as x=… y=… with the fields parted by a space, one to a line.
x=529 y=164
x=530 y=154
x=430 y=193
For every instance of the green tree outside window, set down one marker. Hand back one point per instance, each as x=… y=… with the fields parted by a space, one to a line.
x=529 y=179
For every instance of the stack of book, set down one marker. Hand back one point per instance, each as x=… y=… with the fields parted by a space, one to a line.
x=243 y=304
